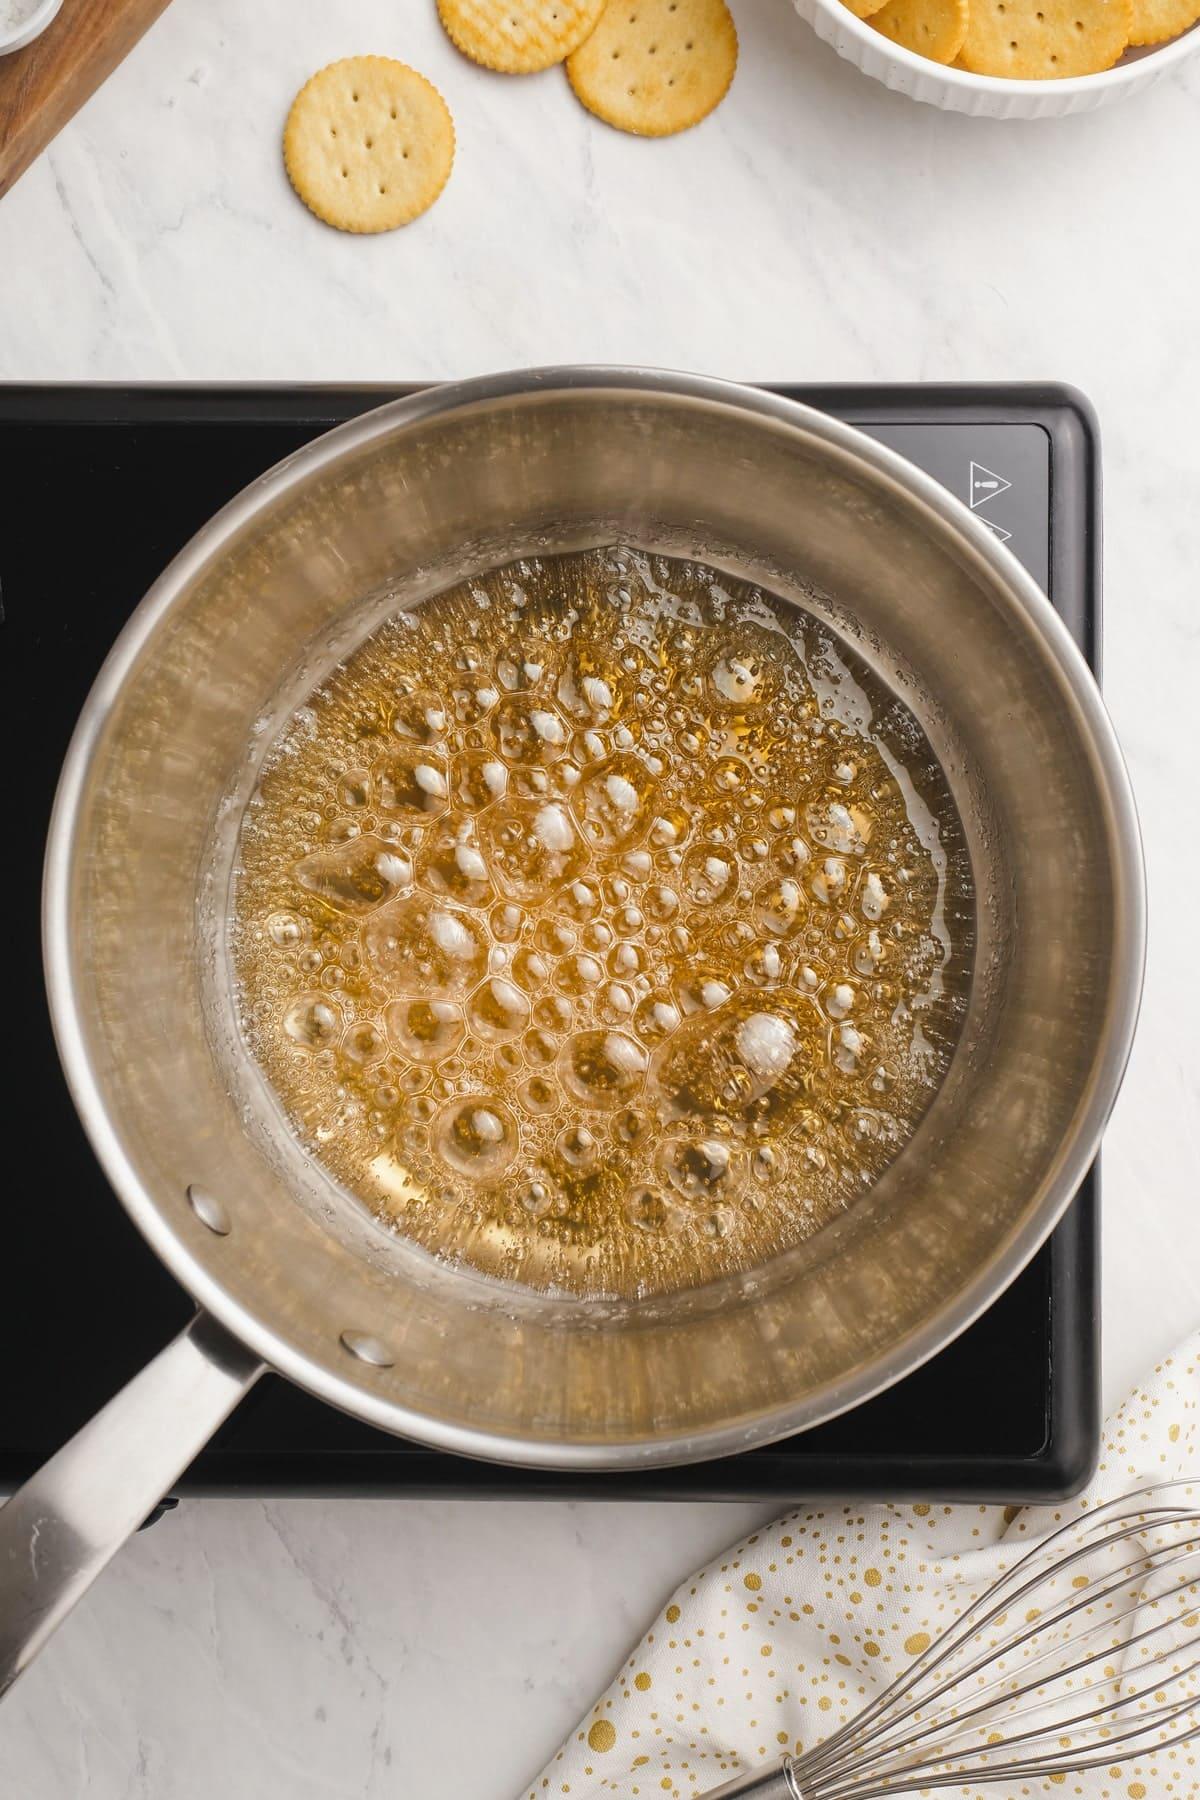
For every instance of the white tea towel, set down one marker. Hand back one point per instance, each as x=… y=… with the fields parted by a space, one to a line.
x=788 y=1636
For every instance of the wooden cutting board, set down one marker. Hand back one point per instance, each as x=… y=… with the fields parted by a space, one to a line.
x=42 y=86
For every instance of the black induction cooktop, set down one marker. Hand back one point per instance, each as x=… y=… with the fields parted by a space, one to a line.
x=99 y=487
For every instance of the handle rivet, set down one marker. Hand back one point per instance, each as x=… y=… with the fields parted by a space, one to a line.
x=210 y=1211
x=368 y=1349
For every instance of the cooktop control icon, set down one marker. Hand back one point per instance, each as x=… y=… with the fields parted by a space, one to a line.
x=984 y=485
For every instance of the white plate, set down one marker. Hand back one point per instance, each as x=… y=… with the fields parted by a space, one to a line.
x=987 y=96
x=29 y=28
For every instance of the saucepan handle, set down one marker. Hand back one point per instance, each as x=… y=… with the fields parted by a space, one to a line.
x=65 y=1525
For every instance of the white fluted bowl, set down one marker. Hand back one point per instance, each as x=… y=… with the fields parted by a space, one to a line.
x=988 y=96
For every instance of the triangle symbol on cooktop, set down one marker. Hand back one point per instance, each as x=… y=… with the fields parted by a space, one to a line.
x=997 y=529
x=985 y=484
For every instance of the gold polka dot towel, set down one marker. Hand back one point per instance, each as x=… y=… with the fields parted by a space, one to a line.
x=788 y=1636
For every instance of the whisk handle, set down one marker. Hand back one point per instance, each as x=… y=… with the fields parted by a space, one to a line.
x=774 y=1783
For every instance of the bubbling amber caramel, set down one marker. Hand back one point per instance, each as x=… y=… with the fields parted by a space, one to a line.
x=603 y=924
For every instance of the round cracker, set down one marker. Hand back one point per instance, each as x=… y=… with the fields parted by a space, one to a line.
x=655 y=67
x=518 y=37
x=1154 y=21
x=864 y=9
x=932 y=28
x=1045 y=40
x=368 y=144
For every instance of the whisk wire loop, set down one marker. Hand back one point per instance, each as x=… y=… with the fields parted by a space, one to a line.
x=979 y=1705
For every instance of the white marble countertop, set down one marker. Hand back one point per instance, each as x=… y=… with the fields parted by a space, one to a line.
x=816 y=228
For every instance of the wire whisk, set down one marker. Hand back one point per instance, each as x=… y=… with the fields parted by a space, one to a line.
x=1086 y=1651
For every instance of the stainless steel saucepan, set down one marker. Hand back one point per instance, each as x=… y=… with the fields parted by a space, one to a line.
x=287 y=1272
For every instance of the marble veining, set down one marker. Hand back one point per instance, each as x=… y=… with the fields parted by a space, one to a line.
x=818 y=227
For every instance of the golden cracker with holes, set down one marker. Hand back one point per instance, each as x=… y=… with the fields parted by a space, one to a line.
x=935 y=29
x=1154 y=21
x=864 y=9
x=1045 y=40
x=518 y=37
x=654 y=67
x=368 y=144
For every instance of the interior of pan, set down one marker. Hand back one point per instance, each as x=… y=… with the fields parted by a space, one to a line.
x=387 y=512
